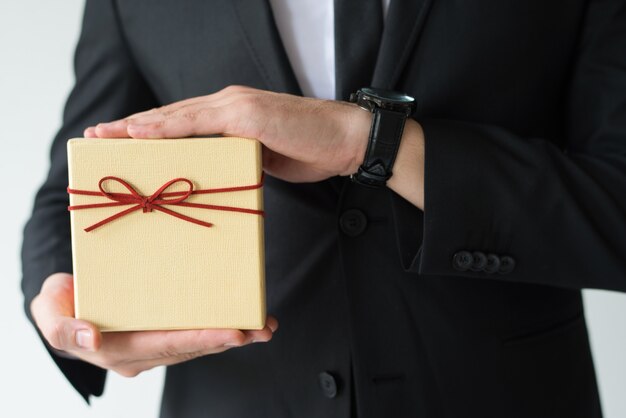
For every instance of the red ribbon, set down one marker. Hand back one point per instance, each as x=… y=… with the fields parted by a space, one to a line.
x=157 y=200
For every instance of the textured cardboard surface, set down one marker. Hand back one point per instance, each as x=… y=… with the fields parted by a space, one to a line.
x=148 y=271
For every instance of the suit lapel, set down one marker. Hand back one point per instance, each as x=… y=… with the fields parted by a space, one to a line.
x=403 y=25
x=264 y=44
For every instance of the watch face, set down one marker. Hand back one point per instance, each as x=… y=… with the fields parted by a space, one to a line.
x=388 y=95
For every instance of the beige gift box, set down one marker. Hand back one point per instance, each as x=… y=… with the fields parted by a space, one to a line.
x=173 y=260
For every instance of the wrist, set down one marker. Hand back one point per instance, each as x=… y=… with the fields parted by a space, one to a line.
x=408 y=173
x=359 y=134
x=389 y=110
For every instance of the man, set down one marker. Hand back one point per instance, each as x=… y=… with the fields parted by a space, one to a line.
x=449 y=289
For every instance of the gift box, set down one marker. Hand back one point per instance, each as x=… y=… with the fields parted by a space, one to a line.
x=167 y=234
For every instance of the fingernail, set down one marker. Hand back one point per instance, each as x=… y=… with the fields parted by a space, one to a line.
x=259 y=341
x=84 y=339
x=231 y=345
x=273 y=327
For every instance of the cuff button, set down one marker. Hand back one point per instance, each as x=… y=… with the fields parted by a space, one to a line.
x=507 y=264
x=493 y=264
x=480 y=261
x=462 y=260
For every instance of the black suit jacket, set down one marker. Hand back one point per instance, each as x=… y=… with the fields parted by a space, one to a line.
x=523 y=105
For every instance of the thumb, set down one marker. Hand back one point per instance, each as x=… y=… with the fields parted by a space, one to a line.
x=53 y=311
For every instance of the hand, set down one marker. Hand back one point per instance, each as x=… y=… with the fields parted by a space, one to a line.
x=304 y=139
x=127 y=353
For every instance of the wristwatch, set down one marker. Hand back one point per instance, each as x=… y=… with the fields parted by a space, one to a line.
x=390 y=109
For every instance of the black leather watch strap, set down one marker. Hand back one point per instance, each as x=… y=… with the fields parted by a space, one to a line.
x=384 y=141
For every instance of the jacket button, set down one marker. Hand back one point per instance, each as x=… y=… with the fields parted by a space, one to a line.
x=493 y=263
x=462 y=260
x=353 y=222
x=480 y=261
x=507 y=264
x=328 y=384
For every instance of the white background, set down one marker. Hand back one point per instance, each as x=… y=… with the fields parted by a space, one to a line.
x=37 y=39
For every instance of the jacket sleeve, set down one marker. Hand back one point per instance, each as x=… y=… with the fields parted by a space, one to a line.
x=554 y=215
x=108 y=86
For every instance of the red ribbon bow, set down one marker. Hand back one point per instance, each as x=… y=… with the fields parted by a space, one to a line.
x=157 y=200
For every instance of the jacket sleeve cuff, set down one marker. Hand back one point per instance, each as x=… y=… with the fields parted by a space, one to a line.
x=428 y=240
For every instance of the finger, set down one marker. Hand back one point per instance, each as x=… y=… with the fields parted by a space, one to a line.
x=184 y=109
x=90 y=132
x=272 y=323
x=289 y=169
x=151 y=345
x=131 y=352
x=117 y=128
x=201 y=121
x=265 y=334
x=187 y=109
x=53 y=311
x=157 y=346
x=132 y=368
